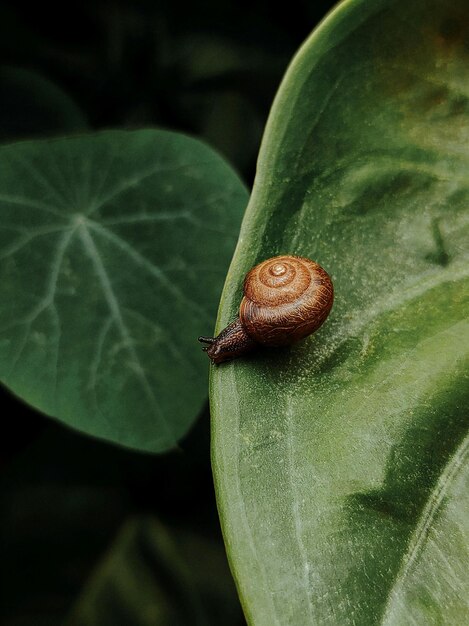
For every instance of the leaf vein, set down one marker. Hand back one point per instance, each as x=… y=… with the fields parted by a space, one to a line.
x=150 y=267
x=114 y=308
x=422 y=532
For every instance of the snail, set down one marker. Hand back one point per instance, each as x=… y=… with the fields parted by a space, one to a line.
x=285 y=299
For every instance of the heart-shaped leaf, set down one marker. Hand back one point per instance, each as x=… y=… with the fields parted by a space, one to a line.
x=341 y=462
x=113 y=249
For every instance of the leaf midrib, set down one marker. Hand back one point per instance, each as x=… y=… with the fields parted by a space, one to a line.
x=114 y=307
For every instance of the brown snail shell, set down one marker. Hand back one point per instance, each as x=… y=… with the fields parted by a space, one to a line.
x=286 y=298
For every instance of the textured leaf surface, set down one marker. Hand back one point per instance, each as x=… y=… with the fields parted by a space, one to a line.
x=341 y=462
x=113 y=249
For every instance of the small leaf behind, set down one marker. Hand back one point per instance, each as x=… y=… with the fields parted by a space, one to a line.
x=113 y=250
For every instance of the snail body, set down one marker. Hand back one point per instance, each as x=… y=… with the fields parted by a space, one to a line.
x=286 y=298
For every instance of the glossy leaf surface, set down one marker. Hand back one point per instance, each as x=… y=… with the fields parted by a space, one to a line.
x=113 y=250
x=341 y=462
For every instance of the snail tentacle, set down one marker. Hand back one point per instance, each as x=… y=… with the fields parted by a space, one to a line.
x=229 y=344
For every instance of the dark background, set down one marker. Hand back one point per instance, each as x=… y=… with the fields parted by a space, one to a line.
x=91 y=534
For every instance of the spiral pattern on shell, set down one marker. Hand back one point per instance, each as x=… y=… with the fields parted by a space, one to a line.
x=285 y=299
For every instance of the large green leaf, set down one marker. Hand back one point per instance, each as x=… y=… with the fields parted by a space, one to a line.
x=341 y=462
x=113 y=249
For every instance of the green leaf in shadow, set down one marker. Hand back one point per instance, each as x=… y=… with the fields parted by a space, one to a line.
x=149 y=578
x=341 y=462
x=113 y=250
x=32 y=106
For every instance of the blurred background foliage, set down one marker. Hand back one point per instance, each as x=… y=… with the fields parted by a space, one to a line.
x=91 y=534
